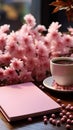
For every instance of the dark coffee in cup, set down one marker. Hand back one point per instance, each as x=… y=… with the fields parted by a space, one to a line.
x=63 y=61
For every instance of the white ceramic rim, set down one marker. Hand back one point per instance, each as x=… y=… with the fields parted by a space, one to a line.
x=61 y=58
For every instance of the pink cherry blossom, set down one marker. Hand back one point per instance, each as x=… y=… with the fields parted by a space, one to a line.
x=4 y=28
x=25 y=54
x=26 y=40
x=30 y=20
x=5 y=58
x=16 y=64
x=41 y=28
x=25 y=75
x=11 y=47
x=25 y=29
x=11 y=76
x=54 y=27
x=10 y=73
x=3 y=38
x=30 y=50
x=42 y=49
x=30 y=64
x=68 y=40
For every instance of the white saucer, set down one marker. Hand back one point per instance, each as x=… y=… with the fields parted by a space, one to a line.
x=48 y=83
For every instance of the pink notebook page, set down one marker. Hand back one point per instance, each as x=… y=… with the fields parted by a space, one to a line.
x=25 y=100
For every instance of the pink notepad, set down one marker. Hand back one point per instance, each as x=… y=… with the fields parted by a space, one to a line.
x=25 y=100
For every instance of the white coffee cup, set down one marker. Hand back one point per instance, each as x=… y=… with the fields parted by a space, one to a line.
x=62 y=70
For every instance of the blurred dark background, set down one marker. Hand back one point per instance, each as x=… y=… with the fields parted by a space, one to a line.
x=12 y=12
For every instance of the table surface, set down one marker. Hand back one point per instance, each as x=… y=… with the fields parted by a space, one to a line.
x=37 y=123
